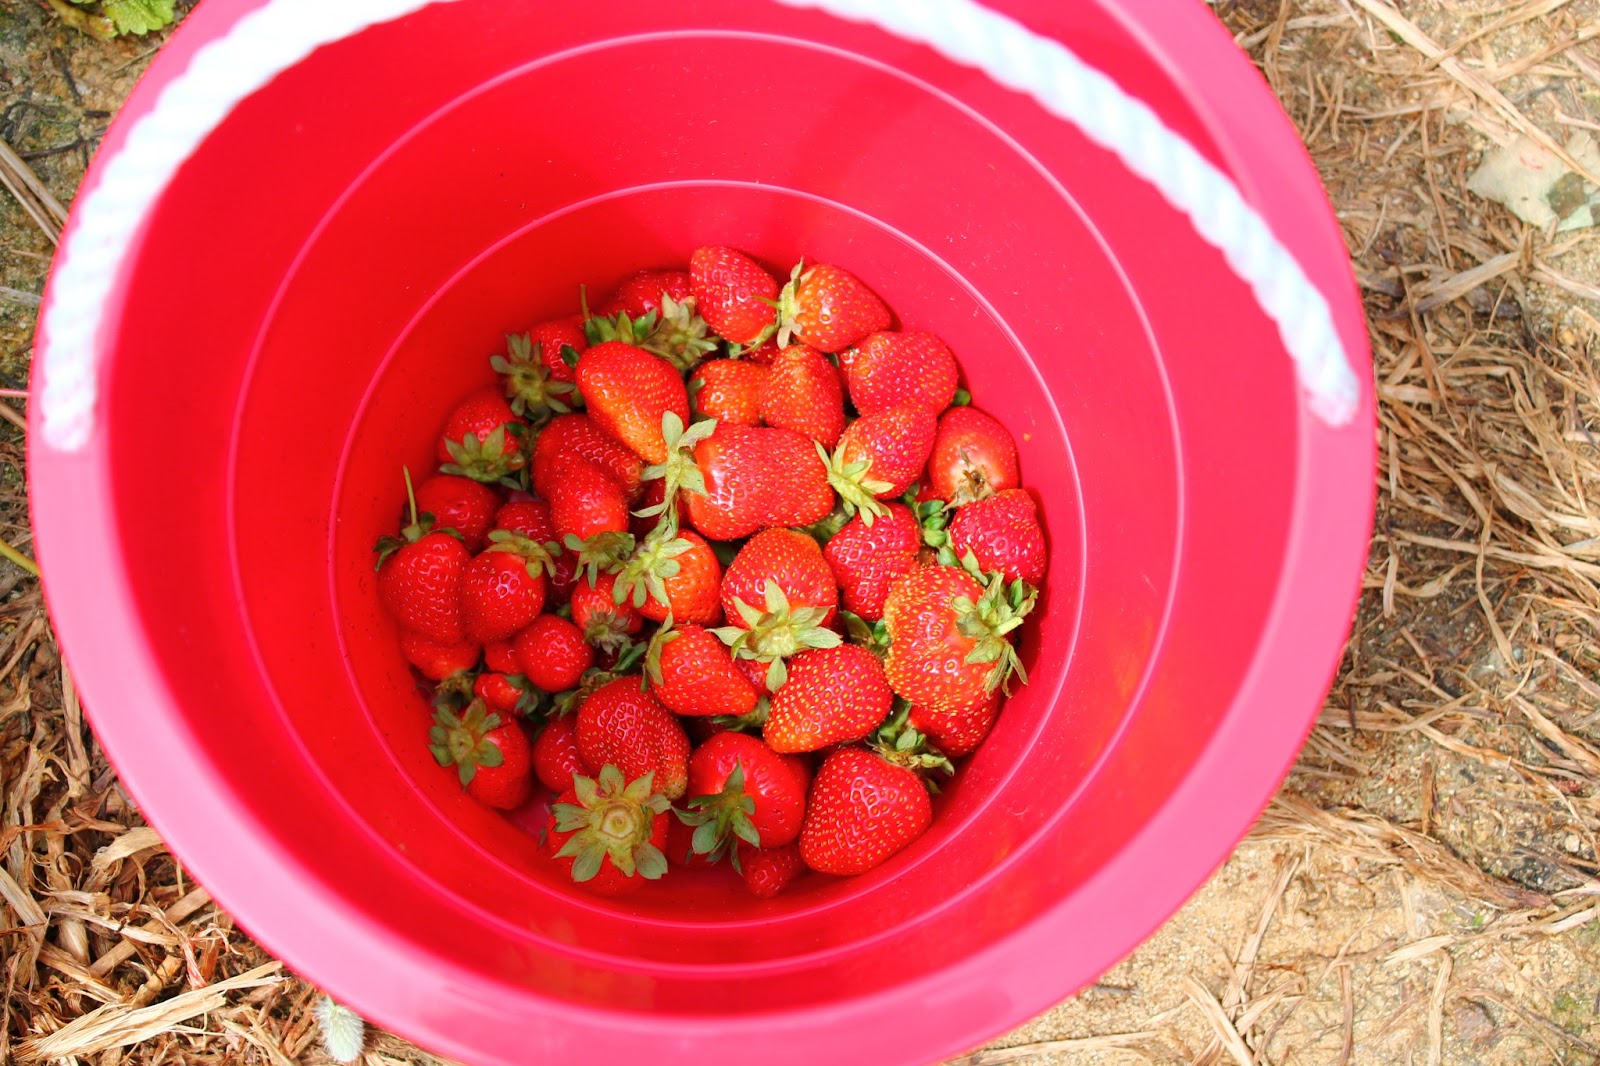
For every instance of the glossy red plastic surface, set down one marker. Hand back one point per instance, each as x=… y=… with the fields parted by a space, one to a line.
x=335 y=266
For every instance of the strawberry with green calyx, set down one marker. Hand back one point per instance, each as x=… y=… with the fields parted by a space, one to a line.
x=827 y=308
x=878 y=457
x=531 y=519
x=533 y=392
x=677 y=471
x=589 y=514
x=957 y=732
x=768 y=871
x=903 y=744
x=628 y=392
x=693 y=673
x=728 y=390
x=482 y=439
x=861 y=811
x=503 y=589
x=757 y=478
x=950 y=636
x=868 y=559
x=623 y=723
x=552 y=653
x=508 y=695
x=742 y=790
x=608 y=625
x=436 y=661
x=791 y=559
x=777 y=633
x=673 y=572
x=610 y=830
x=1001 y=533
x=420 y=575
x=492 y=757
x=556 y=759
x=736 y=296
x=831 y=696
x=802 y=393
x=932 y=515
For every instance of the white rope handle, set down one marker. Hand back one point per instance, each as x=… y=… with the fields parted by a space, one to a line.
x=276 y=36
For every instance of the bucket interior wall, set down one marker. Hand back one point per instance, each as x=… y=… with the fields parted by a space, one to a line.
x=341 y=309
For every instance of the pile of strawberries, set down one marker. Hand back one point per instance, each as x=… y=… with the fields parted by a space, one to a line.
x=730 y=567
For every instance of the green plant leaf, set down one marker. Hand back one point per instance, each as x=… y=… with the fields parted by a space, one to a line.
x=139 y=16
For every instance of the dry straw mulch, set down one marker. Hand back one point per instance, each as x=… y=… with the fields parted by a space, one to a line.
x=1424 y=889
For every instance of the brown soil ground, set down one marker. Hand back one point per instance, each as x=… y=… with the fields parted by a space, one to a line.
x=1423 y=890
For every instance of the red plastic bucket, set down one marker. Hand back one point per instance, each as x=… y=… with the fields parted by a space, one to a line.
x=289 y=259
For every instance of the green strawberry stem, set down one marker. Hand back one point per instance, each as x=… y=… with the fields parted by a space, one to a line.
x=680 y=472
x=420 y=526
x=533 y=393
x=823 y=530
x=486 y=459
x=460 y=740
x=901 y=743
x=962 y=398
x=777 y=633
x=540 y=557
x=656 y=559
x=613 y=819
x=853 y=482
x=605 y=552
x=874 y=636
x=722 y=820
x=788 y=305
x=652 y=657
x=681 y=337
x=990 y=621
x=744 y=723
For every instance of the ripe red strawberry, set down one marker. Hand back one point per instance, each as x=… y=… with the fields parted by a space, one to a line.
x=552 y=654
x=674 y=572
x=734 y=294
x=622 y=724
x=803 y=393
x=642 y=293
x=482 y=438
x=461 y=504
x=554 y=334
x=973 y=457
x=879 y=457
x=501 y=657
x=861 y=811
x=576 y=435
x=692 y=673
x=957 y=732
x=780 y=597
x=832 y=696
x=792 y=560
x=503 y=588
x=950 y=637
x=755 y=478
x=610 y=832
x=628 y=390
x=419 y=583
x=762 y=354
x=534 y=391
x=866 y=560
x=729 y=390
x=492 y=756
x=531 y=519
x=436 y=661
x=504 y=694
x=556 y=759
x=590 y=516
x=828 y=308
x=742 y=790
x=768 y=871
x=1002 y=532
x=606 y=624
x=897 y=371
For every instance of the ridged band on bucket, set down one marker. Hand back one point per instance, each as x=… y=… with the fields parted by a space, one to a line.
x=281 y=33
